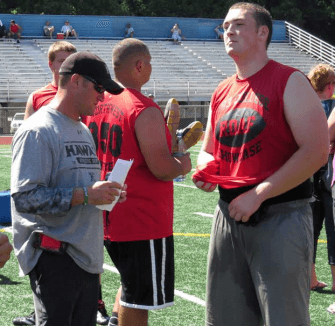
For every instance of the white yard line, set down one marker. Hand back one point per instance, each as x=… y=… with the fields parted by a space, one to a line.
x=203 y=214
x=187 y=186
x=178 y=293
x=105 y=266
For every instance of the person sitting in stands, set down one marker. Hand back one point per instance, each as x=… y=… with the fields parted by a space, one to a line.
x=3 y=30
x=176 y=34
x=219 y=31
x=48 y=30
x=15 y=31
x=68 y=30
x=129 y=31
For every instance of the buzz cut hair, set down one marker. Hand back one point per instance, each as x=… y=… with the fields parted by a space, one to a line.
x=58 y=47
x=260 y=14
x=320 y=76
x=128 y=49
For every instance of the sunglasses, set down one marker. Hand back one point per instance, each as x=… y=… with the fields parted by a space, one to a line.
x=97 y=87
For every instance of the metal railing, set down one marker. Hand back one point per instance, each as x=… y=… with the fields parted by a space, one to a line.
x=312 y=45
x=19 y=89
x=188 y=114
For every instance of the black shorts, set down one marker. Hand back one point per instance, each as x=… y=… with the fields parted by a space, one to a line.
x=147 y=272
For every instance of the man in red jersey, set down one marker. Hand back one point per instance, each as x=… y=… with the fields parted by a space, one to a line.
x=266 y=135
x=57 y=54
x=139 y=237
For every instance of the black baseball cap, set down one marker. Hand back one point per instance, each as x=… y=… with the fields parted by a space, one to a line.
x=88 y=64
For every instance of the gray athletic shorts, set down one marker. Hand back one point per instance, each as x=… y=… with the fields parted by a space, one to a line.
x=261 y=274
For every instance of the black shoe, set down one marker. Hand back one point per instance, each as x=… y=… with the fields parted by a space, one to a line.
x=113 y=321
x=18 y=42
x=27 y=320
x=102 y=316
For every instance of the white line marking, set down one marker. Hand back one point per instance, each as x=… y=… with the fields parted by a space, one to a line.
x=5 y=155
x=178 y=293
x=187 y=186
x=189 y=297
x=204 y=214
x=110 y=268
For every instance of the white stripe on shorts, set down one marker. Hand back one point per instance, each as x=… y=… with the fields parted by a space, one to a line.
x=163 y=268
x=153 y=269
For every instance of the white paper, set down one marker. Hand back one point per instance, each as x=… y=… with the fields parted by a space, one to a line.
x=118 y=174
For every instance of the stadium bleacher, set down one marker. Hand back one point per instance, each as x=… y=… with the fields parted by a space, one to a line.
x=189 y=72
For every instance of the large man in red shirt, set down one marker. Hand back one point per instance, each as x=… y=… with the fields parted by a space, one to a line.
x=266 y=135
x=139 y=236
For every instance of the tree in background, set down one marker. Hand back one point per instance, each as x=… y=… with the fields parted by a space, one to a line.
x=315 y=16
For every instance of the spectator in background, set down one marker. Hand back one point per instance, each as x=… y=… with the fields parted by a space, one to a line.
x=68 y=30
x=152 y=97
x=15 y=31
x=331 y=129
x=219 y=31
x=3 y=30
x=176 y=34
x=322 y=78
x=48 y=30
x=5 y=249
x=129 y=31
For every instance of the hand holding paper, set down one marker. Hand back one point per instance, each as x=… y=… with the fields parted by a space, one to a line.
x=118 y=174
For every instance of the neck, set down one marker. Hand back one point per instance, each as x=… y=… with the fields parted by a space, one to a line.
x=128 y=83
x=246 y=67
x=65 y=105
x=55 y=79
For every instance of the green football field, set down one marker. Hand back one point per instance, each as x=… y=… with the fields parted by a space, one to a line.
x=192 y=224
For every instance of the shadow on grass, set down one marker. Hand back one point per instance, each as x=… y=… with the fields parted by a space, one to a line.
x=7 y=281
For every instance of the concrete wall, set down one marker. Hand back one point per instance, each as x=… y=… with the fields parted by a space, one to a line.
x=114 y=26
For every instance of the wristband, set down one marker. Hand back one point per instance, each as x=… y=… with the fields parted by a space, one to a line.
x=85 y=196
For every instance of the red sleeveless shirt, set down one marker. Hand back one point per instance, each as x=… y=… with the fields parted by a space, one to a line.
x=43 y=96
x=148 y=210
x=252 y=138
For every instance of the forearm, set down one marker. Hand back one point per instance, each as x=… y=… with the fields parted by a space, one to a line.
x=302 y=165
x=42 y=201
x=170 y=168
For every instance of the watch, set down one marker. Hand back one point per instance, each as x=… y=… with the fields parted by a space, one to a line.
x=85 y=196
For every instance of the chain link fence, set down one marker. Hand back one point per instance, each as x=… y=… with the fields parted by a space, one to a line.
x=188 y=114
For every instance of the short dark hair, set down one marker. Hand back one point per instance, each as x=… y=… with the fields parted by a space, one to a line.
x=63 y=80
x=12 y=21
x=260 y=14
x=127 y=49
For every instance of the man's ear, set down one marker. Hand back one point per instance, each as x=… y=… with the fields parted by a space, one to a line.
x=263 y=32
x=139 y=65
x=75 y=79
